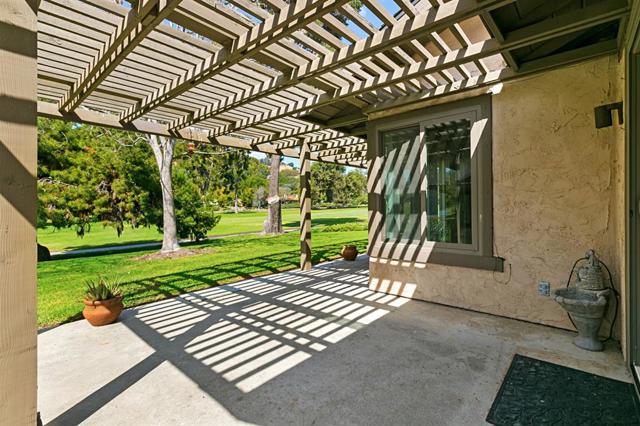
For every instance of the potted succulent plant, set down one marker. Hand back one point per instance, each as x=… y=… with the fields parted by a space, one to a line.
x=349 y=252
x=102 y=301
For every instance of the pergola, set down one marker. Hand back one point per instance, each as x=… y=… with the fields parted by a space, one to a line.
x=296 y=78
x=299 y=79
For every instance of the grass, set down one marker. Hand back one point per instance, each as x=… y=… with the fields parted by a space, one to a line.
x=61 y=282
x=230 y=223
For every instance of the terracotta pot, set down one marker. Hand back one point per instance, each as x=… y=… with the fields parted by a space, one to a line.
x=102 y=312
x=349 y=252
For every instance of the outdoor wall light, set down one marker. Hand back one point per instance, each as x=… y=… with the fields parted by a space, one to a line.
x=604 y=117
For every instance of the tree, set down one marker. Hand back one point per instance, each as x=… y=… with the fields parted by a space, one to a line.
x=323 y=180
x=273 y=224
x=351 y=189
x=204 y=166
x=60 y=179
x=289 y=182
x=194 y=209
x=197 y=181
x=87 y=175
x=235 y=171
x=330 y=185
x=163 y=148
x=253 y=184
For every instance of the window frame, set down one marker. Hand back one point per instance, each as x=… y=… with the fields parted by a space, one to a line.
x=478 y=254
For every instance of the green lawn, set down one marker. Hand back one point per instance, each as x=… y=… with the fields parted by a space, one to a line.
x=61 y=282
x=230 y=223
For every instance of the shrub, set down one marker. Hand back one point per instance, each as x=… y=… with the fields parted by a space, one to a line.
x=343 y=227
x=195 y=212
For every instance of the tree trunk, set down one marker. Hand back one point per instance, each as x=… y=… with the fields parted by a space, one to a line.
x=235 y=197
x=273 y=224
x=163 y=151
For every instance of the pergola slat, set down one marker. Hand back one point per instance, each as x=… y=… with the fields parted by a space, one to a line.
x=479 y=82
x=138 y=23
x=554 y=27
x=497 y=34
x=360 y=148
x=384 y=39
x=295 y=17
x=276 y=76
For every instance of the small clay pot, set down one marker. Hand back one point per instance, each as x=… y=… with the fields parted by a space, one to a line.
x=102 y=312
x=349 y=252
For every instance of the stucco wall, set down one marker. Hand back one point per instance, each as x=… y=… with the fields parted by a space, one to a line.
x=558 y=190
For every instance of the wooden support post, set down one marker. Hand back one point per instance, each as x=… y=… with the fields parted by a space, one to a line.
x=305 y=206
x=18 y=157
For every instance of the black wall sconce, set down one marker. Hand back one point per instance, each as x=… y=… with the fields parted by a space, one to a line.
x=604 y=117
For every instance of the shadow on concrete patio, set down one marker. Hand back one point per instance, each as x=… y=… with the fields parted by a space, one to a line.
x=231 y=340
x=167 y=285
x=303 y=348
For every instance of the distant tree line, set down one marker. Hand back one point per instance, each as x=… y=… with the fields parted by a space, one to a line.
x=89 y=175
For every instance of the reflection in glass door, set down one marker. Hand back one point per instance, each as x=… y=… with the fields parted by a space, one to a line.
x=448 y=146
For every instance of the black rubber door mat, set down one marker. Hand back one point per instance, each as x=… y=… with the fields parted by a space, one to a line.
x=539 y=393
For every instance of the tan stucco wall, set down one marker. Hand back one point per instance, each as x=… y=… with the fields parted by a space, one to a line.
x=558 y=190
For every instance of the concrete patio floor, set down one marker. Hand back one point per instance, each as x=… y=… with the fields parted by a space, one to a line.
x=295 y=348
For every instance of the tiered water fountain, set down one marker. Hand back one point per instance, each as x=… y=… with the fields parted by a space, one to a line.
x=586 y=303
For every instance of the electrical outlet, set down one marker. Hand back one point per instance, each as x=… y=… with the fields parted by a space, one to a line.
x=544 y=288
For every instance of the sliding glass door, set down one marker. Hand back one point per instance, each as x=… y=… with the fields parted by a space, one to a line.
x=633 y=211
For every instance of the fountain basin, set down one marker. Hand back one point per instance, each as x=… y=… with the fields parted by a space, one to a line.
x=586 y=308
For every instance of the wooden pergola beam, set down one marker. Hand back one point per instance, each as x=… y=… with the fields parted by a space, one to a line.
x=328 y=150
x=263 y=103
x=305 y=207
x=335 y=143
x=478 y=83
x=49 y=110
x=548 y=29
x=296 y=16
x=346 y=120
x=324 y=138
x=358 y=130
x=495 y=32
x=143 y=18
x=288 y=134
x=320 y=142
x=393 y=35
x=18 y=206
x=349 y=156
x=304 y=131
x=346 y=149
